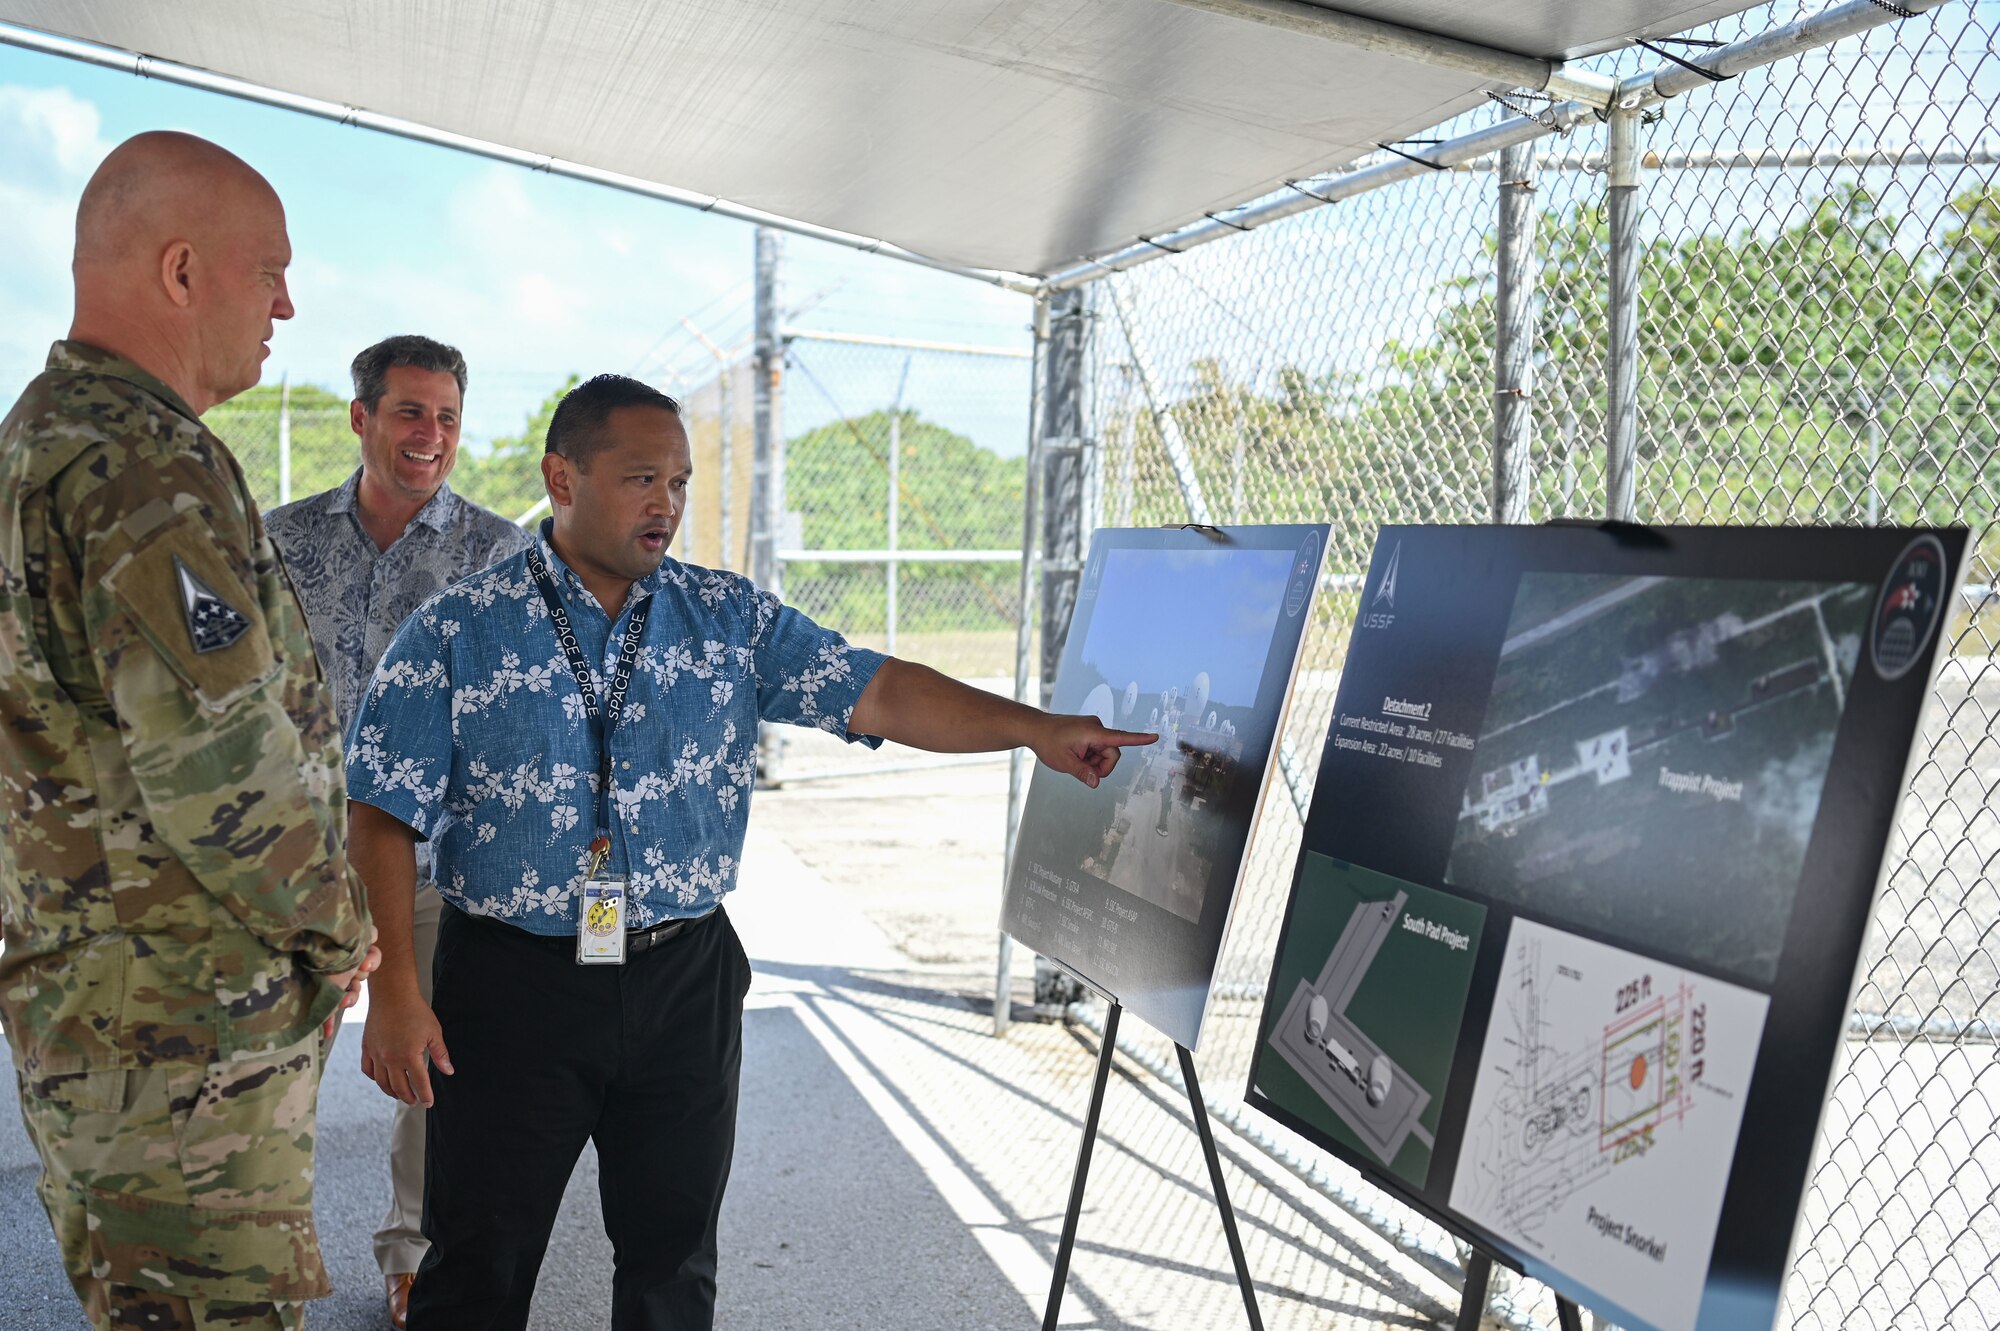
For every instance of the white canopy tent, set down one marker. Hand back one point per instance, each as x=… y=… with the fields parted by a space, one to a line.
x=1020 y=137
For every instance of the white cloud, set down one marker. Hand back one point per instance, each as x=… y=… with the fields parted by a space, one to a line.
x=533 y=285
x=54 y=141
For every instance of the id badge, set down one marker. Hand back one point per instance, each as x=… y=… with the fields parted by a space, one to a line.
x=600 y=935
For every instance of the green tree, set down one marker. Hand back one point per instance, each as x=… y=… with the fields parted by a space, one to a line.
x=956 y=495
x=324 y=448
x=507 y=476
x=1820 y=373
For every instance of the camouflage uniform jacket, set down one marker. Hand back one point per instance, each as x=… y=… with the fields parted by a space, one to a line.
x=173 y=877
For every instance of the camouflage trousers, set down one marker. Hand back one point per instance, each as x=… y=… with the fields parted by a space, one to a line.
x=181 y=1194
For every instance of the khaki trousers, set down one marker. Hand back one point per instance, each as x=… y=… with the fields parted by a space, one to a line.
x=399 y=1243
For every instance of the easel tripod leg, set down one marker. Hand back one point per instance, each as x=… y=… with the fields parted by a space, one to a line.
x=1568 y=1316
x=1068 y=1243
x=1200 y=1111
x=1472 y=1303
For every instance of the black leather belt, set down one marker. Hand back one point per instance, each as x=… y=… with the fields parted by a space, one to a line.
x=660 y=933
x=635 y=943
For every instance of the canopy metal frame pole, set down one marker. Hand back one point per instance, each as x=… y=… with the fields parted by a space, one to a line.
x=1771 y=159
x=1020 y=762
x=1622 y=204
x=1515 y=275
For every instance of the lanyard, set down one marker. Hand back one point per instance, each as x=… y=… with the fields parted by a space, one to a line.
x=605 y=720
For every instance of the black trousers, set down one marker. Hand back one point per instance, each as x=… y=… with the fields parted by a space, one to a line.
x=642 y=1059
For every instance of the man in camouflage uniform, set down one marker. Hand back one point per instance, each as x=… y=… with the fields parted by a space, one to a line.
x=181 y=925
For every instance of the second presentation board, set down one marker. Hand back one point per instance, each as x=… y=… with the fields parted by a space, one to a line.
x=1192 y=633
x=1591 y=855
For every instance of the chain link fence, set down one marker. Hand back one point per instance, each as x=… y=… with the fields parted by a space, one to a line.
x=1819 y=292
x=905 y=463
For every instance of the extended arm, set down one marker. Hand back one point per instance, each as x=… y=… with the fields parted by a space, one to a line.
x=915 y=705
x=402 y=1030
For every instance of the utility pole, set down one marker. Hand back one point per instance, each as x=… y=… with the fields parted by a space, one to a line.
x=767 y=484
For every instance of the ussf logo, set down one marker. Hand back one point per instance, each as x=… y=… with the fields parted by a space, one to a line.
x=1379 y=611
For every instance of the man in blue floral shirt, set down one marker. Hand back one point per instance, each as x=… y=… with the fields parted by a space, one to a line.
x=574 y=733
x=362 y=556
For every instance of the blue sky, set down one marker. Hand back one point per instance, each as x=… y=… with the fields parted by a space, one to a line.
x=533 y=276
x=1162 y=616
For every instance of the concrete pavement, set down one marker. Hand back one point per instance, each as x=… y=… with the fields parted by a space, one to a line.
x=897 y=1167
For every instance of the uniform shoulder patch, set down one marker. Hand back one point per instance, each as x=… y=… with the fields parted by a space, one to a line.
x=212 y=622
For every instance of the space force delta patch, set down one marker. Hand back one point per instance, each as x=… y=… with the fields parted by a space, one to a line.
x=213 y=623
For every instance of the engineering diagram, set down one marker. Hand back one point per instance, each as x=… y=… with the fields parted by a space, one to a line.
x=1379 y=1103
x=1605 y=1114
x=1569 y=1112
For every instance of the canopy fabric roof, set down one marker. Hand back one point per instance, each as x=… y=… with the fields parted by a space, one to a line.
x=1021 y=135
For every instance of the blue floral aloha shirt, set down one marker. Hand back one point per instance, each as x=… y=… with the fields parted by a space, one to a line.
x=472 y=732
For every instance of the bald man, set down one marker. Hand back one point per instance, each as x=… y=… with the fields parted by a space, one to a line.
x=181 y=925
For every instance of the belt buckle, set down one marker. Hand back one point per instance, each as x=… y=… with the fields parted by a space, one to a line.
x=656 y=935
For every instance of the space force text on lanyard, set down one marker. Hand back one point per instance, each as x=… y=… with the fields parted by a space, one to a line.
x=600 y=934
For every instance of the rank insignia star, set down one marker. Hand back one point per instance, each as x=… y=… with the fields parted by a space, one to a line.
x=213 y=623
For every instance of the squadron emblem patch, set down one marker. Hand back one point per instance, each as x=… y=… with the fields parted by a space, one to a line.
x=212 y=622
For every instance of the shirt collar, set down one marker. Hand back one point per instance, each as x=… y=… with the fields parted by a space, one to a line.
x=437 y=513
x=641 y=589
x=83 y=358
x=347 y=497
x=442 y=508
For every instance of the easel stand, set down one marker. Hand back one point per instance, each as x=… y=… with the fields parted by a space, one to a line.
x=1472 y=1304
x=1068 y=1244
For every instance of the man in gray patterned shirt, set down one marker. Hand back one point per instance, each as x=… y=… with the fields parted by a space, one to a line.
x=363 y=556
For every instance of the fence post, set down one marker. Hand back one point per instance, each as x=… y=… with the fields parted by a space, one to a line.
x=1514 y=336
x=767 y=466
x=285 y=439
x=895 y=502
x=1621 y=445
x=1020 y=763
x=1067 y=441
x=1066 y=438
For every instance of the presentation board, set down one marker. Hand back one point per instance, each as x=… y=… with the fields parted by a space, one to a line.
x=1597 y=831
x=1192 y=633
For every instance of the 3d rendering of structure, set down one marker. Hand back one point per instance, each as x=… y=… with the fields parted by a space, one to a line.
x=1344 y=1066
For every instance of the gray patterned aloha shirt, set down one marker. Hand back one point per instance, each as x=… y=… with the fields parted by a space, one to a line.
x=473 y=733
x=355 y=596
